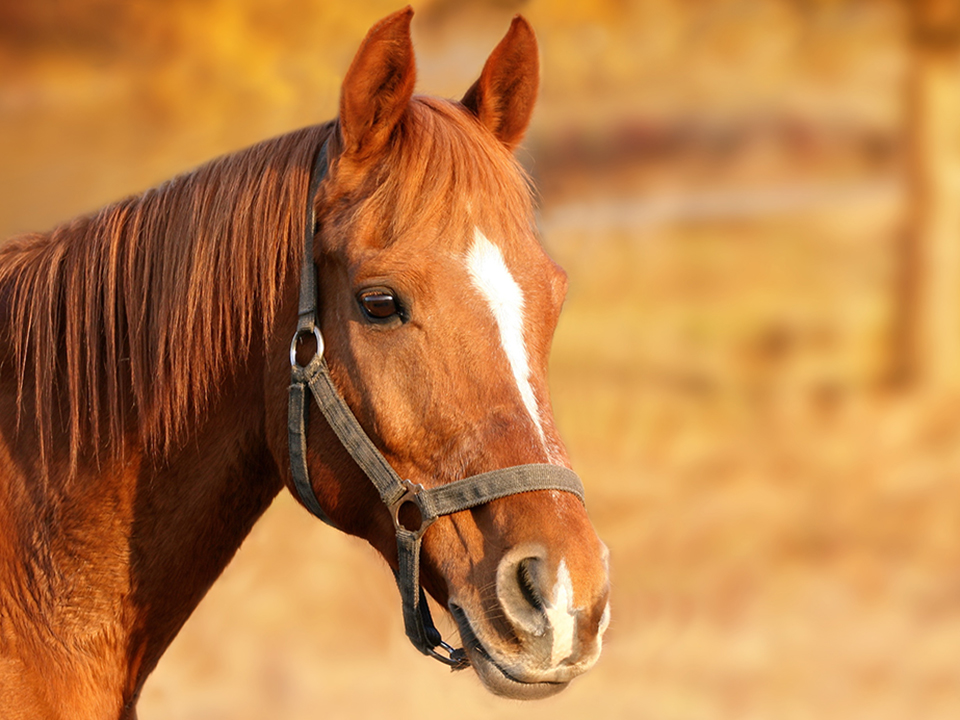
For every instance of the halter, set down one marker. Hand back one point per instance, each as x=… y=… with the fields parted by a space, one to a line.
x=431 y=503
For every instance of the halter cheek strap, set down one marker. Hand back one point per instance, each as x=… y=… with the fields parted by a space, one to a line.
x=395 y=492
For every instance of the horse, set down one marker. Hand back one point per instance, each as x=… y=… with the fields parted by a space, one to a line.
x=152 y=403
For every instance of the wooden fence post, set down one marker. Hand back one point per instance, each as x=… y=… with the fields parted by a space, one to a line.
x=928 y=332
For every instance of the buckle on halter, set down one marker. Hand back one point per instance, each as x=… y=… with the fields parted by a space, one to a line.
x=296 y=339
x=411 y=495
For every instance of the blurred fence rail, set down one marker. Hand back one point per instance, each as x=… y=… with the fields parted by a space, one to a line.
x=717 y=205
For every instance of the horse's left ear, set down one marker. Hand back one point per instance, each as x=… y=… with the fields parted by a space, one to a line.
x=504 y=96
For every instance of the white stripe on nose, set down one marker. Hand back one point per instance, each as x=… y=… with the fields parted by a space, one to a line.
x=492 y=278
x=561 y=616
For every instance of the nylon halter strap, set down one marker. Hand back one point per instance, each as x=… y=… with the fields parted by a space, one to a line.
x=395 y=492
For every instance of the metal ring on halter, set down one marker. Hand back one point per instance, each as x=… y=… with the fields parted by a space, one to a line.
x=412 y=491
x=296 y=338
x=457 y=659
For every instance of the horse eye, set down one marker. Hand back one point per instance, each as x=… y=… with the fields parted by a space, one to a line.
x=379 y=305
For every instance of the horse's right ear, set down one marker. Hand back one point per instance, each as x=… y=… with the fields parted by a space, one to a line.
x=378 y=85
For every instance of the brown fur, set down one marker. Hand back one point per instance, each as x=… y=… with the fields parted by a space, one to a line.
x=143 y=377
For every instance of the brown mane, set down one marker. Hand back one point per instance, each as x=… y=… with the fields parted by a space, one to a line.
x=128 y=315
x=136 y=309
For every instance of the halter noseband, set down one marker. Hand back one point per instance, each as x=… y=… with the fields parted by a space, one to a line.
x=432 y=503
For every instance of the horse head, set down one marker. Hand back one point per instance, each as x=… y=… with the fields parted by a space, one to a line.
x=437 y=305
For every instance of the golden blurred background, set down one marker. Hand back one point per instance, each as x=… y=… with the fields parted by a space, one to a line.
x=755 y=201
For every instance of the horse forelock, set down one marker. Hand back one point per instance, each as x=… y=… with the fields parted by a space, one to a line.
x=124 y=320
x=442 y=171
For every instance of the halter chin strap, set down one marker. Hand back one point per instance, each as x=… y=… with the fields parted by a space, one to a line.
x=395 y=492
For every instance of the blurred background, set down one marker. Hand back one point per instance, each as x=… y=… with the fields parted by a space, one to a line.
x=758 y=205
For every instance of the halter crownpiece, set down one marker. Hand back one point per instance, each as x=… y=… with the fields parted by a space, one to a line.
x=395 y=492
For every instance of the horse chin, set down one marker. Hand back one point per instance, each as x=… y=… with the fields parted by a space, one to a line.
x=495 y=678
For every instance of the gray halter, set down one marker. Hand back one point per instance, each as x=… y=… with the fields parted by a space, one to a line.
x=432 y=503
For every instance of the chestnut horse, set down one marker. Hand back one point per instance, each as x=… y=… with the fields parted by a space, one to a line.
x=145 y=370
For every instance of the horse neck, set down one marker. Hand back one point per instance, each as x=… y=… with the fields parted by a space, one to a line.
x=195 y=509
x=114 y=559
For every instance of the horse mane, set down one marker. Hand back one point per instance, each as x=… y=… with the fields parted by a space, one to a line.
x=140 y=306
x=443 y=157
x=128 y=317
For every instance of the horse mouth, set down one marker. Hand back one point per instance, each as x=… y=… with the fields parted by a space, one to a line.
x=494 y=676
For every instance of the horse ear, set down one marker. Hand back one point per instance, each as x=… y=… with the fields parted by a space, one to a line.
x=378 y=86
x=504 y=95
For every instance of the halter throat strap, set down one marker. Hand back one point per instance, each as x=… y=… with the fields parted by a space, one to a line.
x=395 y=492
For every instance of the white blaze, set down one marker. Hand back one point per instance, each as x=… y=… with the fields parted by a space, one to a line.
x=492 y=278
x=561 y=615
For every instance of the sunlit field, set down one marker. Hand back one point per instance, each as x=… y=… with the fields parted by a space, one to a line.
x=724 y=186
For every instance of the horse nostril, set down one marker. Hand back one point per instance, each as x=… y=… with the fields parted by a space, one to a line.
x=527 y=582
x=519 y=590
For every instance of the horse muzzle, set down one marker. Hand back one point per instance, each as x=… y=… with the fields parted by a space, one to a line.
x=540 y=637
